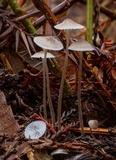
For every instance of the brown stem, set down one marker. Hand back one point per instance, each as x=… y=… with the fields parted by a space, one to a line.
x=62 y=82
x=79 y=94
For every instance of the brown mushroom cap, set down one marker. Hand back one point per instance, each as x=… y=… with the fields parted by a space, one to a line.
x=48 y=43
x=41 y=55
x=81 y=45
x=68 y=24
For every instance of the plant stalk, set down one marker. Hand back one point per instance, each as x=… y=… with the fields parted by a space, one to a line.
x=54 y=66
x=89 y=21
x=49 y=94
x=44 y=86
x=79 y=94
x=62 y=81
x=19 y=12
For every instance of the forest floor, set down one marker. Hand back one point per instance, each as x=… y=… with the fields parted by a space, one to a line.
x=21 y=94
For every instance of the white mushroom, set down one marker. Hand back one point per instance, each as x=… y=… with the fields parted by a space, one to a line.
x=93 y=124
x=59 y=151
x=66 y=25
x=41 y=54
x=80 y=45
x=35 y=130
x=47 y=43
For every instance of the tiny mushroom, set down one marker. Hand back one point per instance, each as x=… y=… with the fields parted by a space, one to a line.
x=41 y=54
x=66 y=25
x=80 y=45
x=35 y=129
x=59 y=153
x=93 y=124
x=47 y=43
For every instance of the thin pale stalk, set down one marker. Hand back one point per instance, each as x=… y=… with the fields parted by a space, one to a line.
x=44 y=87
x=55 y=68
x=49 y=95
x=79 y=95
x=62 y=82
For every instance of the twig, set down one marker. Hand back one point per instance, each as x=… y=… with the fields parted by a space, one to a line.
x=65 y=5
x=18 y=11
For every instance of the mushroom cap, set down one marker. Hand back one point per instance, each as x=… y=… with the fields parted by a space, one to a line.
x=48 y=43
x=68 y=24
x=93 y=124
x=59 y=151
x=41 y=55
x=35 y=129
x=81 y=45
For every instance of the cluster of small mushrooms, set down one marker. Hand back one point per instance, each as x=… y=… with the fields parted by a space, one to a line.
x=38 y=128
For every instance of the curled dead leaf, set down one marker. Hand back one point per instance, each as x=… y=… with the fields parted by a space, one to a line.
x=113 y=72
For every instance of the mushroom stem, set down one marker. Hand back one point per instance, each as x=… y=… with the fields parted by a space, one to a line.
x=49 y=94
x=79 y=94
x=44 y=87
x=62 y=81
x=92 y=135
x=48 y=43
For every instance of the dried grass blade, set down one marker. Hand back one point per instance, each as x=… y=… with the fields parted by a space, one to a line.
x=3 y=43
x=5 y=33
x=26 y=42
x=31 y=43
x=6 y=62
x=17 y=39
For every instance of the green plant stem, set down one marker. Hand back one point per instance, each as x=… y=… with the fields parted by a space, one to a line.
x=62 y=81
x=19 y=12
x=49 y=94
x=89 y=21
x=79 y=94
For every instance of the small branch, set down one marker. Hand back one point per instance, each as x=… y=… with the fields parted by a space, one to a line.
x=65 y=5
x=108 y=12
x=28 y=15
x=59 y=9
x=19 y=12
